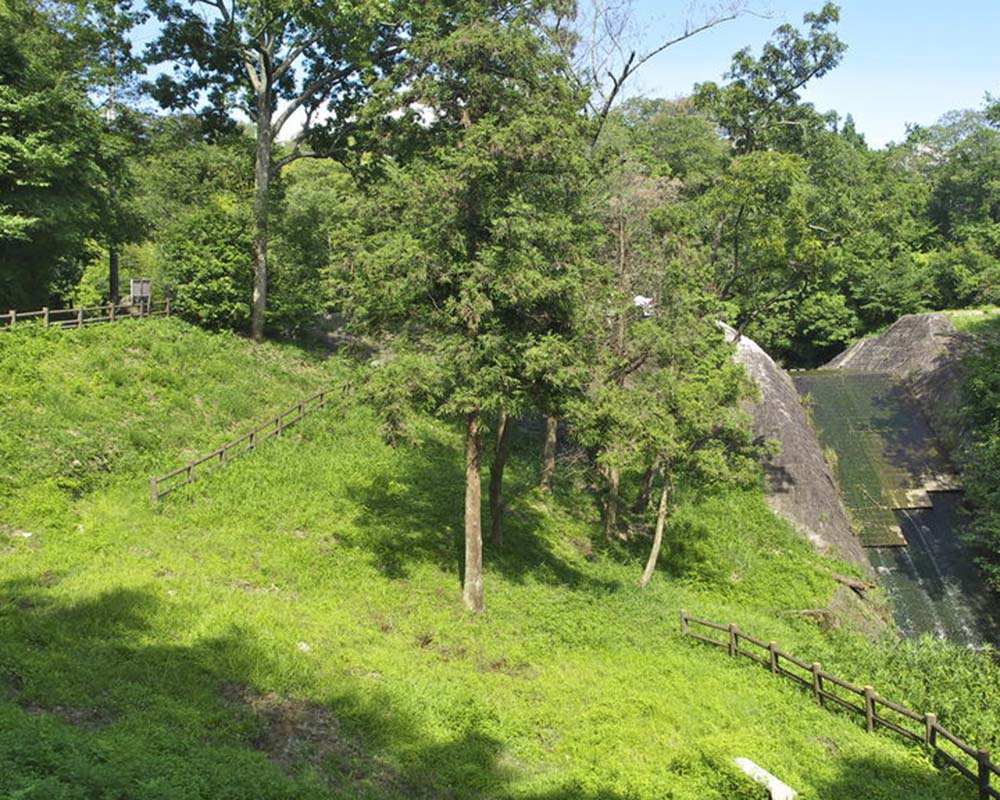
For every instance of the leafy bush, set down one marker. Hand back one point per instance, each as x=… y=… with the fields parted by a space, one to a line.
x=209 y=258
x=981 y=457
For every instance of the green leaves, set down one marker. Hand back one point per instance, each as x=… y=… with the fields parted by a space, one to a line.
x=51 y=182
x=759 y=107
x=471 y=244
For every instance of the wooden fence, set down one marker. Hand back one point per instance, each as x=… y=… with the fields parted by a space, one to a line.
x=81 y=317
x=164 y=484
x=948 y=749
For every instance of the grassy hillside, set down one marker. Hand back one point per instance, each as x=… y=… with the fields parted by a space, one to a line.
x=290 y=627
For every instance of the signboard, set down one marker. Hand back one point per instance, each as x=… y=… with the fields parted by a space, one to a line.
x=140 y=290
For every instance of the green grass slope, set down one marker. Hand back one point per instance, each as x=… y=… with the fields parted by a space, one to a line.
x=290 y=627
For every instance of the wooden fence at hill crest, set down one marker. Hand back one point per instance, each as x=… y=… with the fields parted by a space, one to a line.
x=84 y=316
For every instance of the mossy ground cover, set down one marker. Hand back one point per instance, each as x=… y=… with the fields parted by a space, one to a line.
x=290 y=627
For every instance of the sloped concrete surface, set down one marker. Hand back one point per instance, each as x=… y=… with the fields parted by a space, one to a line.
x=801 y=487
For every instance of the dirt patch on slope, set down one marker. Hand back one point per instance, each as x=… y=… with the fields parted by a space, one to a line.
x=299 y=734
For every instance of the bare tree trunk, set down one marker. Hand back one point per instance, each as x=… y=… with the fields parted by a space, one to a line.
x=661 y=521
x=645 y=489
x=114 y=282
x=472 y=588
x=504 y=429
x=549 y=453
x=262 y=181
x=611 y=501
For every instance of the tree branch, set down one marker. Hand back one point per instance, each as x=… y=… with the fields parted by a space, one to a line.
x=635 y=62
x=289 y=60
x=295 y=155
x=308 y=92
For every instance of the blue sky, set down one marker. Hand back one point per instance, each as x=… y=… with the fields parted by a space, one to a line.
x=906 y=61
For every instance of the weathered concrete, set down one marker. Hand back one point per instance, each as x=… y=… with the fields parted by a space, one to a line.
x=933 y=583
x=802 y=489
x=925 y=350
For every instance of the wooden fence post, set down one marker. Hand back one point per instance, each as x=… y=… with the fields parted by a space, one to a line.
x=817 y=682
x=277 y=425
x=167 y=307
x=870 y=708
x=79 y=317
x=154 y=490
x=45 y=315
x=983 y=757
x=111 y=312
x=13 y=317
x=733 y=640
x=930 y=730
x=685 y=627
x=772 y=651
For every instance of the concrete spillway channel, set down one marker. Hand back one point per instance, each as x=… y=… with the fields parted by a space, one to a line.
x=905 y=502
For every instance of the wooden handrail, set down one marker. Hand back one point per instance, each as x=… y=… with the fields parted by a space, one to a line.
x=84 y=315
x=982 y=773
x=271 y=428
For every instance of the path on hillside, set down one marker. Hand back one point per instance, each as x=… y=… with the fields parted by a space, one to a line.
x=897 y=484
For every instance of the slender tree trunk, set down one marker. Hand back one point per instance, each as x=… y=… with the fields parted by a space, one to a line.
x=549 y=452
x=611 y=502
x=661 y=521
x=620 y=323
x=645 y=489
x=472 y=588
x=262 y=181
x=114 y=281
x=504 y=429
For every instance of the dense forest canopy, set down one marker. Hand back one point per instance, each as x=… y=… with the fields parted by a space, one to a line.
x=805 y=235
x=471 y=192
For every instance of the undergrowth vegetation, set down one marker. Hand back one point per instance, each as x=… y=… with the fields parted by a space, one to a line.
x=981 y=454
x=290 y=626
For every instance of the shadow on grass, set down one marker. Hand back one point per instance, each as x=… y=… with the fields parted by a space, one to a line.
x=872 y=779
x=93 y=703
x=416 y=515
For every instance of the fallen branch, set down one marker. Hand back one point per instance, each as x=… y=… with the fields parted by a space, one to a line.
x=856 y=584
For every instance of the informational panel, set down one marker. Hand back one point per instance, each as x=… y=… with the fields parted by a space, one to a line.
x=140 y=291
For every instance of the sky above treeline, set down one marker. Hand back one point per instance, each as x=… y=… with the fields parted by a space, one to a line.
x=908 y=61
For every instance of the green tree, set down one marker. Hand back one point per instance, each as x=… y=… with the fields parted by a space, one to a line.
x=196 y=192
x=470 y=259
x=316 y=204
x=663 y=403
x=98 y=32
x=759 y=107
x=763 y=249
x=51 y=180
x=210 y=255
x=272 y=60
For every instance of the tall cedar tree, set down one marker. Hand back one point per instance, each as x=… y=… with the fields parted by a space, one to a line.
x=274 y=61
x=468 y=261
